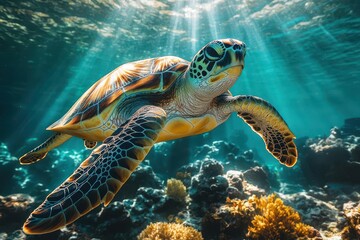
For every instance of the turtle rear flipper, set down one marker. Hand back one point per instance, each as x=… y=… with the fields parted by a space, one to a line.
x=101 y=175
x=89 y=144
x=32 y=157
x=41 y=151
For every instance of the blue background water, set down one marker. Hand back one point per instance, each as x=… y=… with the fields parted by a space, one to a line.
x=303 y=57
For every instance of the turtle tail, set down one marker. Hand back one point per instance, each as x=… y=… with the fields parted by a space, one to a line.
x=41 y=151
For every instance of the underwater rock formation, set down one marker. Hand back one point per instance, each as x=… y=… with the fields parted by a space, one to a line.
x=351 y=127
x=313 y=210
x=236 y=184
x=335 y=158
x=244 y=188
x=14 y=209
x=125 y=219
x=208 y=187
x=219 y=150
x=227 y=153
x=323 y=208
x=257 y=176
x=186 y=172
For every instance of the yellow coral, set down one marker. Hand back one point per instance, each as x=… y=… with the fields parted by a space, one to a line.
x=241 y=207
x=352 y=229
x=274 y=220
x=169 y=231
x=263 y=218
x=176 y=190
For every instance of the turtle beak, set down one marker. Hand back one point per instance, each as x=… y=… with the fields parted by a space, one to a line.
x=239 y=49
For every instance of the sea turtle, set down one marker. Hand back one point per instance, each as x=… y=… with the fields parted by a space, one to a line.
x=142 y=103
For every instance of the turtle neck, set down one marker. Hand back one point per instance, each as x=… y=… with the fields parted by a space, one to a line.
x=191 y=100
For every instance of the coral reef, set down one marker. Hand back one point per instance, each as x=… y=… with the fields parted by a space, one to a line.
x=352 y=228
x=256 y=218
x=236 y=184
x=351 y=127
x=335 y=158
x=274 y=220
x=186 y=172
x=173 y=231
x=176 y=190
x=257 y=176
x=314 y=210
x=208 y=187
x=229 y=221
x=227 y=153
x=220 y=194
x=13 y=210
x=115 y=221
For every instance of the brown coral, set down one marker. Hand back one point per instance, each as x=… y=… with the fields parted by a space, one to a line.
x=169 y=231
x=274 y=220
x=352 y=229
x=175 y=189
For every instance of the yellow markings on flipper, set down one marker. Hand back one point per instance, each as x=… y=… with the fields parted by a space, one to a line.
x=182 y=127
x=114 y=186
x=107 y=199
x=84 y=164
x=139 y=152
x=122 y=174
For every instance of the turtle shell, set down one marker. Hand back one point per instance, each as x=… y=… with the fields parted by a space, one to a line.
x=150 y=75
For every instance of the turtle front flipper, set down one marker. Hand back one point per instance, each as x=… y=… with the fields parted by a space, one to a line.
x=265 y=121
x=101 y=175
x=40 y=152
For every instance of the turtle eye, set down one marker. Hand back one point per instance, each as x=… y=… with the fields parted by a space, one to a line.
x=214 y=51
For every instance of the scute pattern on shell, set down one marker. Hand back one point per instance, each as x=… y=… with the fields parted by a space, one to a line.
x=134 y=76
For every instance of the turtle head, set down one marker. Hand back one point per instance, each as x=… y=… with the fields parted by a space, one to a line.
x=217 y=66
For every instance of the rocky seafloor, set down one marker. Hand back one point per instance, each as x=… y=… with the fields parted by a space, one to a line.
x=223 y=193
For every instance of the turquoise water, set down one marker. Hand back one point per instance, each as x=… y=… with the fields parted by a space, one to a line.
x=302 y=56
